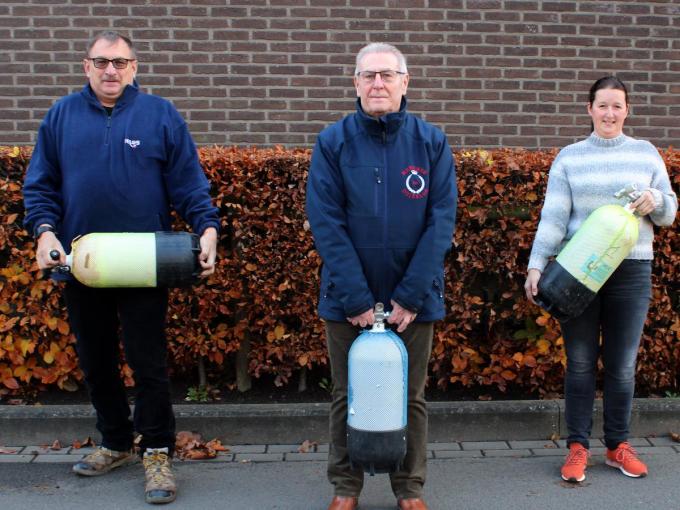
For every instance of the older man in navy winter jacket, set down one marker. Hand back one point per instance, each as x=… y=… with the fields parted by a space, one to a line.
x=381 y=201
x=113 y=159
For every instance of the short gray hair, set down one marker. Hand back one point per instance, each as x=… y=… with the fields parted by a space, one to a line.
x=381 y=48
x=111 y=36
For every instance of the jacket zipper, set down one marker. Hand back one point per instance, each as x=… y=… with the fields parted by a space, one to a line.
x=108 y=128
x=384 y=211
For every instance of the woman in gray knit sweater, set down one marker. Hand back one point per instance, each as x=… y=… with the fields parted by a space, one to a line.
x=583 y=177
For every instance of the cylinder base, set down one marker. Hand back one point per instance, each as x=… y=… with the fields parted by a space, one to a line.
x=376 y=452
x=562 y=295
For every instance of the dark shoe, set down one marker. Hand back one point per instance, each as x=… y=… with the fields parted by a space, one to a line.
x=103 y=460
x=160 y=481
x=411 y=504
x=344 y=503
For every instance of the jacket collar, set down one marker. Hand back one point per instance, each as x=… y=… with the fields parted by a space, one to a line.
x=130 y=92
x=388 y=124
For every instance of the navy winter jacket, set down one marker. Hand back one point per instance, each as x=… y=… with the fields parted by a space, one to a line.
x=381 y=202
x=93 y=173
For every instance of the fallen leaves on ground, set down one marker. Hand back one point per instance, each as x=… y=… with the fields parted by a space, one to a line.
x=675 y=437
x=56 y=445
x=7 y=451
x=190 y=446
x=84 y=444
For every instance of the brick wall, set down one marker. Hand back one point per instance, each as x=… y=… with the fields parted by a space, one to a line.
x=489 y=72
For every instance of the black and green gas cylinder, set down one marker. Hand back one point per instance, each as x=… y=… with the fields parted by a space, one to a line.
x=571 y=281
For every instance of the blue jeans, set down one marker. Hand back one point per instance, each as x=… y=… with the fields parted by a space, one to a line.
x=617 y=315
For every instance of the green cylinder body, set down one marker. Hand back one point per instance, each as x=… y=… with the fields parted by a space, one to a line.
x=128 y=259
x=571 y=281
x=600 y=245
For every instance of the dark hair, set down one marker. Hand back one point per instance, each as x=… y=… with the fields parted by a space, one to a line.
x=606 y=82
x=112 y=37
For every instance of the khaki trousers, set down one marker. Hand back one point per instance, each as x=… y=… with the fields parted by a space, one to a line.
x=409 y=481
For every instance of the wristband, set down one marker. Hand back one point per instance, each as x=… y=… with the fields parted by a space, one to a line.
x=42 y=229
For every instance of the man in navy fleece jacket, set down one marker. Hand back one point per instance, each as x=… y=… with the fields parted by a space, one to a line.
x=381 y=202
x=113 y=159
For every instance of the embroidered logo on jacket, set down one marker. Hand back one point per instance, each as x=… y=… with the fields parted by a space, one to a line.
x=132 y=143
x=414 y=182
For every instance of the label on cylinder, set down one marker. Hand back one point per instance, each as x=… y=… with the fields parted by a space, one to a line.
x=597 y=269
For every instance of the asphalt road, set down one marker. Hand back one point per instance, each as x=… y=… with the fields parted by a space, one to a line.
x=463 y=483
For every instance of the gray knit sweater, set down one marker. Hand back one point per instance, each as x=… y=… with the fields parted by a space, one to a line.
x=585 y=176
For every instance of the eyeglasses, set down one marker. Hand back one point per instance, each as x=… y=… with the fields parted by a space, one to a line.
x=387 y=76
x=118 y=63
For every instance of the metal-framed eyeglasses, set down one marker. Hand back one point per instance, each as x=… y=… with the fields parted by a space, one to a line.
x=118 y=62
x=387 y=76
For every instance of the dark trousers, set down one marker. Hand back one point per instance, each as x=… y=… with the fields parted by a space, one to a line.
x=95 y=316
x=616 y=316
x=409 y=481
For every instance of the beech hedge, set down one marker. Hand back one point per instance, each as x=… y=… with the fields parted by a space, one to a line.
x=260 y=306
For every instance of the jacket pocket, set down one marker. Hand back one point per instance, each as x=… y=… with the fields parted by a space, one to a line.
x=363 y=185
x=438 y=289
x=327 y=289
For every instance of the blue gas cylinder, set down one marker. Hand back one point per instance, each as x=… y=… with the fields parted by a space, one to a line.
x=377 y=399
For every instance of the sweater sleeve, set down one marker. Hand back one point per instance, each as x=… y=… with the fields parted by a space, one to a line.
x=42 y=185
x=328 y=221
x=436 y=239
x=554 y=217
x=664 y=197
x=187 y=186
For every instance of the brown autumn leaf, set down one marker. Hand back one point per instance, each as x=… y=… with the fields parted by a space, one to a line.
x=308 y=446
x=7 y=451
x=197 y=454
x=56 y=445
x=87 y=443
x=675 y=437
x=190 y=446
x=216 y=444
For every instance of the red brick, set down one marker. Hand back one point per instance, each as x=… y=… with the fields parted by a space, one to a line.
x=501 y=16
x=50 y=22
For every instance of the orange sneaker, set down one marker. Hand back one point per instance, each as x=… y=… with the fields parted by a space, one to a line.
x=625 y=458
x=574 y=468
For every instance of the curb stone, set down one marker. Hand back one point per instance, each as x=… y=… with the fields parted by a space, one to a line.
x=289 y=424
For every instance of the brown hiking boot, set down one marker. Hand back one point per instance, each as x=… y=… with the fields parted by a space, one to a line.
x=160 y=482
x=103 y=460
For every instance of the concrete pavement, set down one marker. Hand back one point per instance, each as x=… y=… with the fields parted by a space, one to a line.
x=502 y=475
x=501 y=455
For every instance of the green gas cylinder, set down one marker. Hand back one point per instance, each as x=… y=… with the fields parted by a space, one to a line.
x=130 y=259
x=571 y=281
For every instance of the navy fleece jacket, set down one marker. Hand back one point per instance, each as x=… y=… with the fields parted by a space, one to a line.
x=91 y=172
x=381 y=202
